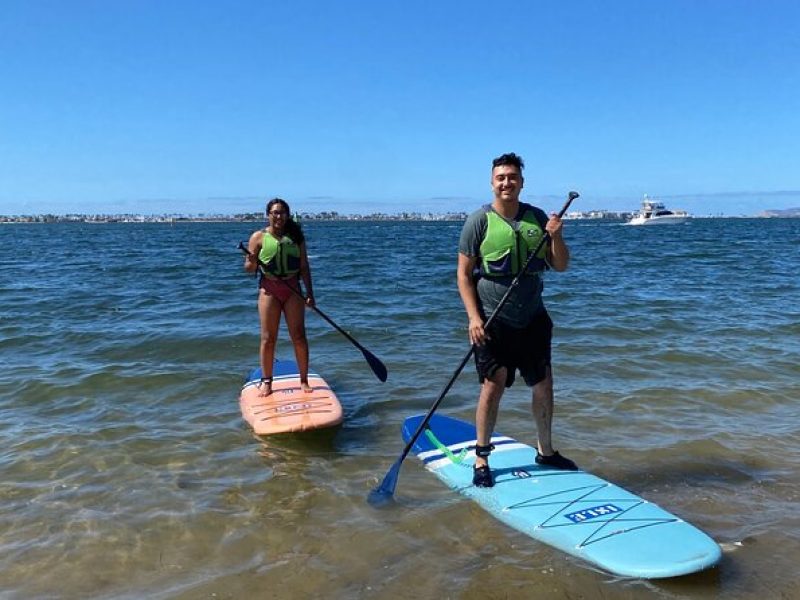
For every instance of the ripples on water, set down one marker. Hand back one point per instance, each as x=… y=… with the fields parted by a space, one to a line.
x=128 y=472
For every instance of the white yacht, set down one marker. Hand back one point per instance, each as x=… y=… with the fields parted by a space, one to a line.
x=655 y=213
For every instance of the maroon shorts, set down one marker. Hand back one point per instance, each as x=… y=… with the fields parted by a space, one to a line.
x=279 y=288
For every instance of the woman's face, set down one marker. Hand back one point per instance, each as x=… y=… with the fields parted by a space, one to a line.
x=278 y=213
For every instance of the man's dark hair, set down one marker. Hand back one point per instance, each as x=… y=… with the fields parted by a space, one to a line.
x=509 y=159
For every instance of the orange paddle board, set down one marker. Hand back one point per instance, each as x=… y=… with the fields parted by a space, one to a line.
x=289 y=408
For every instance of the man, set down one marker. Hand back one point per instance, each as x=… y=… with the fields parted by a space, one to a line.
x=496 y=241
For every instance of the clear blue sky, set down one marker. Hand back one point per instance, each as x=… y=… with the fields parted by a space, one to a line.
x=211 y=107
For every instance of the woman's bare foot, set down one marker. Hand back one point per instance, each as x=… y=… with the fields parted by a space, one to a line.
x=265 y=387
x=305 y=387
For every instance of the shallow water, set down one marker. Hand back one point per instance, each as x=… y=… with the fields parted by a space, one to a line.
x=127 y=470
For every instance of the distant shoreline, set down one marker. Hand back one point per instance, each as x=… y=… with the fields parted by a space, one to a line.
x=592 y=216
x=255 y=218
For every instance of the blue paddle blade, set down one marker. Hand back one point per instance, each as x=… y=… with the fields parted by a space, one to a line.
x=384 y=493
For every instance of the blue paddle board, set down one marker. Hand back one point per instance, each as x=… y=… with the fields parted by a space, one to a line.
x=574 y=511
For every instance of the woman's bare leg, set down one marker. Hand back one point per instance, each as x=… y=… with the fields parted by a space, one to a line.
x=295 y=311
x=269 y=312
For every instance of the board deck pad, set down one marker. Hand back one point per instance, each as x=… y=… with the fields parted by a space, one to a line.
x=289 y=408
x=574 y=511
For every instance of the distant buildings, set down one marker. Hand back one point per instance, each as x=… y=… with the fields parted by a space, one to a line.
x=595 y=215
x=606 y=215
x=786 y=213
x=243 y=217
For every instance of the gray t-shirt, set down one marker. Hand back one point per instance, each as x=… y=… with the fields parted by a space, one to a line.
x=526 y=299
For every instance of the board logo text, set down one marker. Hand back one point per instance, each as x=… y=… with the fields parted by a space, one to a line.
x=593 y=513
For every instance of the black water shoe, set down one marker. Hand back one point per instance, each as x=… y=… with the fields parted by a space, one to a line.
x=482 y=477
x=556 y=461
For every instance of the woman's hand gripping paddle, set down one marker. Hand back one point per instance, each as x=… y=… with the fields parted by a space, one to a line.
x=385 y=491
x=374 y=362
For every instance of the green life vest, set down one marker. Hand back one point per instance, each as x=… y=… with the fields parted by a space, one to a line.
x=279 y=257
x=504 y=250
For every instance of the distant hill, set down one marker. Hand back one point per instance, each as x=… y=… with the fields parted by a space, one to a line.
x=786 y=212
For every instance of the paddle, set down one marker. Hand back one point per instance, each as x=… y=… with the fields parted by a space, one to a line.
x=374 y=362
x=384 y=492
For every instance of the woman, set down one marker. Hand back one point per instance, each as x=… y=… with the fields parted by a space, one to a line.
x=279 y=253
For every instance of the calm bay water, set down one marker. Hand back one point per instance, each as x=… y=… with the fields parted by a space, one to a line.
x=126 y=470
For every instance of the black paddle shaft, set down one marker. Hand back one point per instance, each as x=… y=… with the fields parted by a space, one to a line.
x=390 y=480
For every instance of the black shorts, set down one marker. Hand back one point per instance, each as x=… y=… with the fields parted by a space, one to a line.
x=526 y=349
